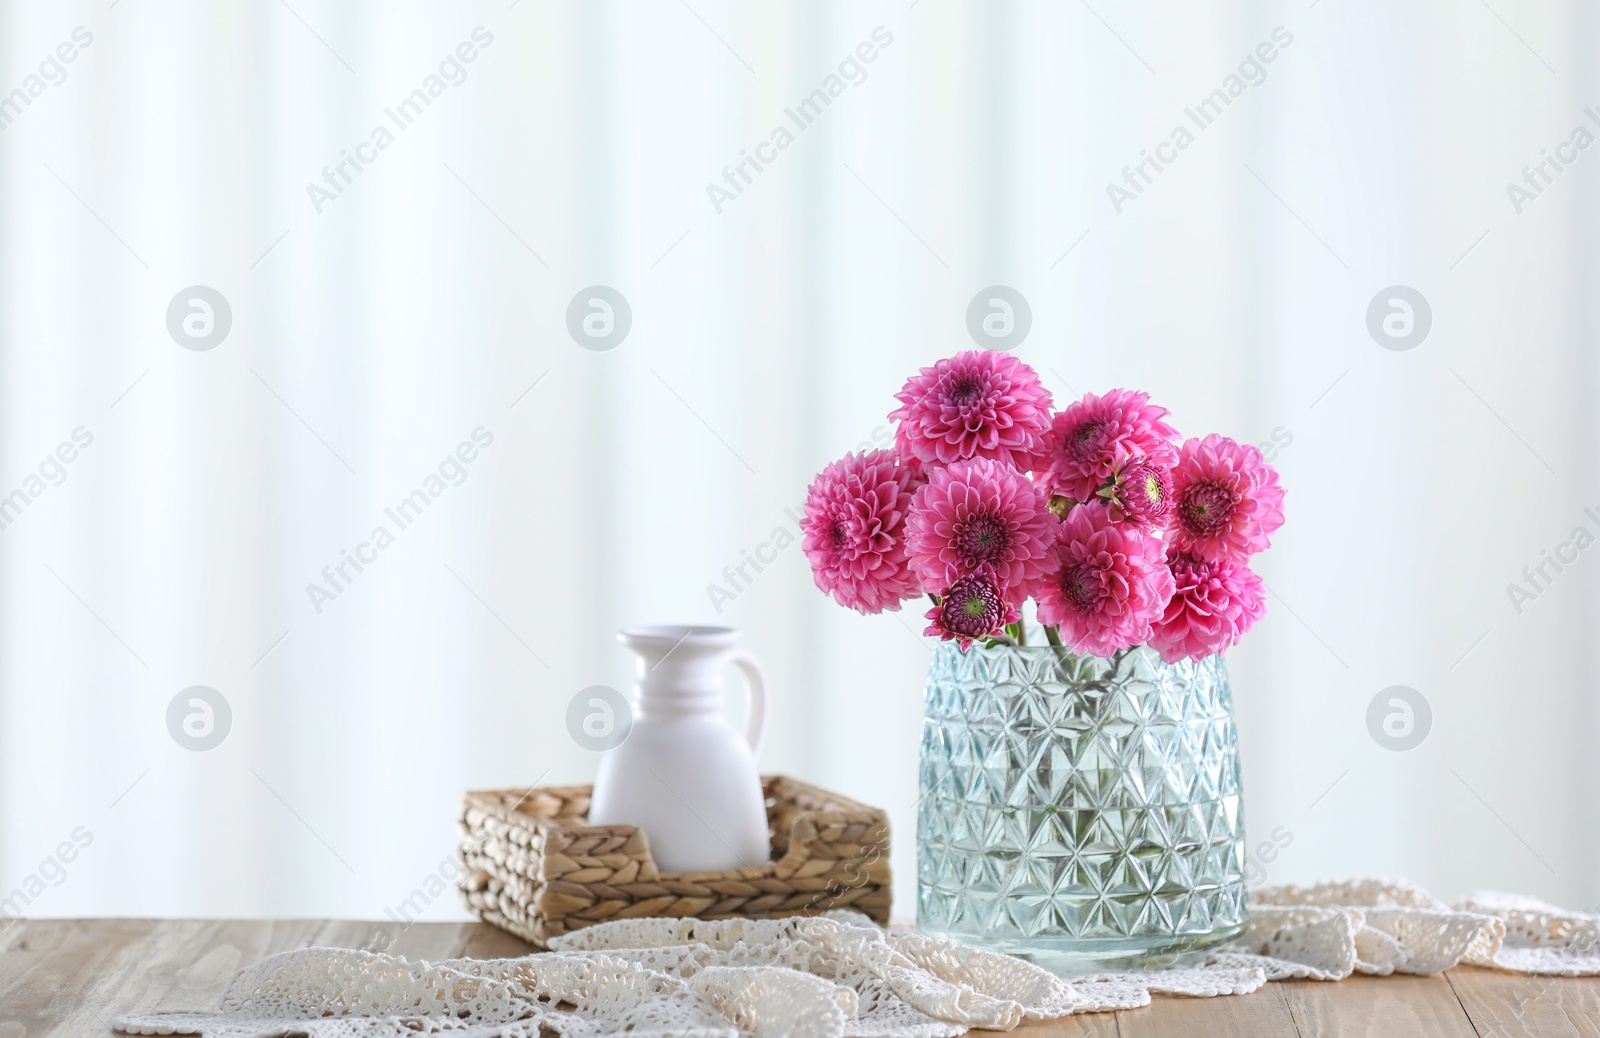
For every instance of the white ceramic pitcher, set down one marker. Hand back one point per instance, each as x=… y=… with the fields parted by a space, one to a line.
x=683 y=774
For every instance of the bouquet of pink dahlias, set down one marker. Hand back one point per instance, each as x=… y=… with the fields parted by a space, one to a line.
x=1122 y=534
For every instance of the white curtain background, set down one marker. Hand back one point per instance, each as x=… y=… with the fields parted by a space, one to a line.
x=429 y=299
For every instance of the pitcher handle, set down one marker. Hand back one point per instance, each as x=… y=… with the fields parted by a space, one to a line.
x=755 y=729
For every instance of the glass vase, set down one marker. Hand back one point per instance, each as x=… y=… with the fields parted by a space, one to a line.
x=1078 y=811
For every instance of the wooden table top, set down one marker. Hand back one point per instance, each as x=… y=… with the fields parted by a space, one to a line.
x=72 y=976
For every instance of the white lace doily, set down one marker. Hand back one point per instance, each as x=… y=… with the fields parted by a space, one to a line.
x=841 y=976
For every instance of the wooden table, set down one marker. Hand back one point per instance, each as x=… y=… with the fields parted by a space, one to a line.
x=72 y=976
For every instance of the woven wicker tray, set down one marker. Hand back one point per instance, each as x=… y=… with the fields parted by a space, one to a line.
x=532 y=867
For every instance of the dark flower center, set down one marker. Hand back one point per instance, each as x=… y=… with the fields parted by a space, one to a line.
x=972 y=607
x=965 y=392
x=1082 y=586
x=982 y=537
x=841 y=534
x=1205 y=508
x=1083 y=440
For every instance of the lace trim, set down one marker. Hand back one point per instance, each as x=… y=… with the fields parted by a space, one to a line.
x=842 y=976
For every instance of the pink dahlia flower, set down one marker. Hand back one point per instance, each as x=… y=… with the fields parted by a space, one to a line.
x=974 y=606
x=978 y=513
x=1214 y=604
x=1138 y=492
x=1226 y=500
x=978 y=404
x=854 y=530
x=1085 y=440
x=1112 y=583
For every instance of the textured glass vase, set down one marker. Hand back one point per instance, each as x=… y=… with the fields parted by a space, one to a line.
x=1081 y=812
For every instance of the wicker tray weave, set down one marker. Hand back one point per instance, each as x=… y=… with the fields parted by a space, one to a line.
x=531 y=866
